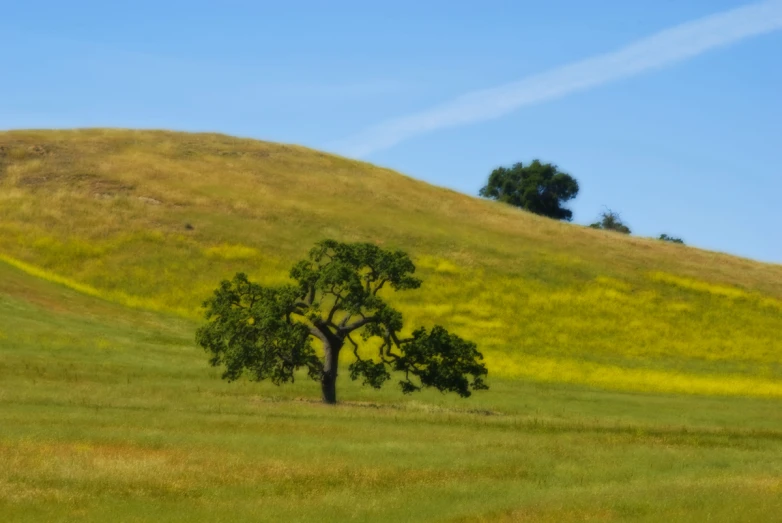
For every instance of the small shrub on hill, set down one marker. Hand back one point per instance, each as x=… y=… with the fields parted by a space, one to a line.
x=611 y=221
x=666 y=238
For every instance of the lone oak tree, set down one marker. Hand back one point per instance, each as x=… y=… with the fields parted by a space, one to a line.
x=540 y=188
x=268 y=331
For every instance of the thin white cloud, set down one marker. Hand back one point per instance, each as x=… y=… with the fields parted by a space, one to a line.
x=654 y=52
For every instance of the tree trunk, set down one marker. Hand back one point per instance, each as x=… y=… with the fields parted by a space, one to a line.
x=328 y=380
x=328 y=384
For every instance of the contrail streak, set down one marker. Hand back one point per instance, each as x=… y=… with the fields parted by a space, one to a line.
x=654 y=52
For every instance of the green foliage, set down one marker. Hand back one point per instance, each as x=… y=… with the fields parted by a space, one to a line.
x=441 y=360
x=248 y=331
x=611 y=221
x=267 y=331
x=540 y=188
x=373 y=373
x=666 y=238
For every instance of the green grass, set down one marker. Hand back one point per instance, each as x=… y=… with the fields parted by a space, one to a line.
x=108 y=413
x=631 y=379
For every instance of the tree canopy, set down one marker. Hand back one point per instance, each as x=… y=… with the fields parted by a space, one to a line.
x=267 y=332
x=540 y=188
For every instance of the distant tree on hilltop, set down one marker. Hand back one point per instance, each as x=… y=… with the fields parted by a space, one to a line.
x=666 y=238
x=267 y=331
x=611 y=221
x=540 y=188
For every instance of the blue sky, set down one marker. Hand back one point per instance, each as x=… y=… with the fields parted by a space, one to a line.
x=690 y=146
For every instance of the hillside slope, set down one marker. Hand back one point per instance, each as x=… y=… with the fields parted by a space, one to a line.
x=156 y=219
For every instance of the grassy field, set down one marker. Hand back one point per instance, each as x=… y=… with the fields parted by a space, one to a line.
x=631 y=379
x=111 y=414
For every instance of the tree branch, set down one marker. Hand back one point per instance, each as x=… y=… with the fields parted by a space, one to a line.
x=355 y=347
x=320 y=335
x=359 y=323
x=397 y=341
x=299 y=305
x=334 y=309
x=253 y=298
x=388 y=353
x=380 y=286
x=345 y=321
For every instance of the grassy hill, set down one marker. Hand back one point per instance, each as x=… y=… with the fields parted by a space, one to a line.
x=155 y=220
x=631 y=380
